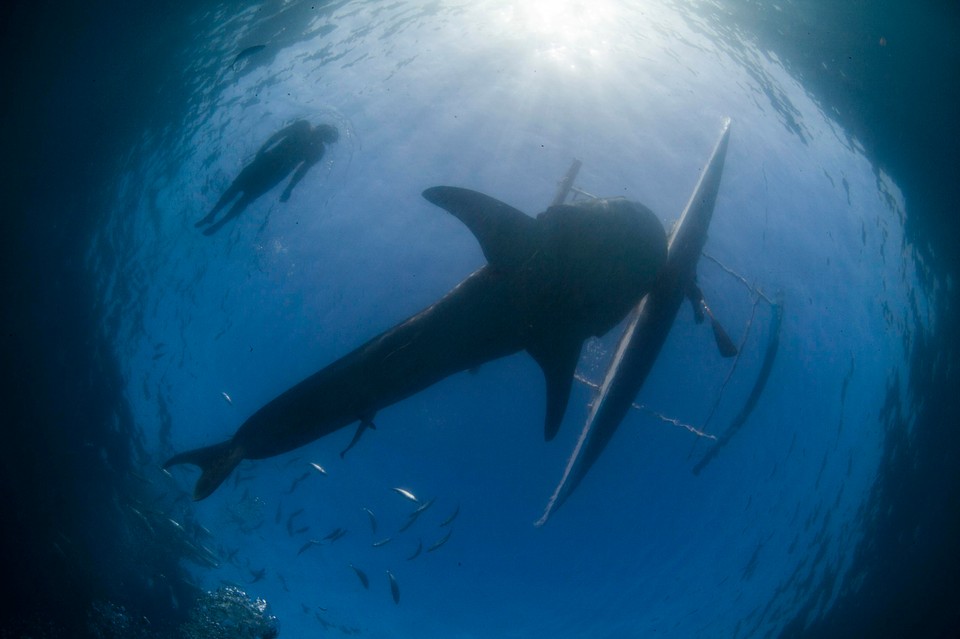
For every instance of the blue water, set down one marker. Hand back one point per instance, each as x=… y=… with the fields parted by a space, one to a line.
x=136 y=337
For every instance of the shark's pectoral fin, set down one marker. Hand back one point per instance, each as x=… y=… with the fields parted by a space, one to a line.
x=724 y=344
x=365 y=422
x=558 y=359
x=695 y=295
x=505 y=234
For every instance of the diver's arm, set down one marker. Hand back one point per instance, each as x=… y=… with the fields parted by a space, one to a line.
x=273 y=138
x=297 y=176
x=312 y=155
x=282 y=133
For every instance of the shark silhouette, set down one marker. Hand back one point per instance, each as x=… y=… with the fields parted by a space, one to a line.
x=550 y=282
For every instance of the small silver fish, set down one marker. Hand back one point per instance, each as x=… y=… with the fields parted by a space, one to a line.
x=311 y=543
x=227 y=397
x=373 y=520
x=413 y=516
x=440 y=542
x=382 y=542
x=449 y=520
x=407 y=494
x=394 y=587
x=335 y=534
x=319 y=468
x=362 y=576
x=416 y=553
x=425 y=505
x=410 y=521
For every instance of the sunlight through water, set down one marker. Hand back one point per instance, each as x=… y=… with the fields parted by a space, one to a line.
x=501 y=97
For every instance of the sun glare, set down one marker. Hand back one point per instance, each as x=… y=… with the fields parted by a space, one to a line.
x=564 y=30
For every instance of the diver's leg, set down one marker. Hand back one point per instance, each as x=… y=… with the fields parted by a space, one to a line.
x=228 y=195
x=234 y=211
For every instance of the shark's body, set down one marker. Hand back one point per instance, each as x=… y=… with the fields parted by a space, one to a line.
x=550 y=283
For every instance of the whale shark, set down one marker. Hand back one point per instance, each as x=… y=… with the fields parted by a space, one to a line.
x=550 y=282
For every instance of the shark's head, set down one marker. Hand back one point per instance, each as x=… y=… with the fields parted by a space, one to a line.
x=577 y=268
x=609 y=252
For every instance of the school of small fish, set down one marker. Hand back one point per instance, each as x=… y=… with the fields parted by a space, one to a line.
x=436 y=540
x=431 y=537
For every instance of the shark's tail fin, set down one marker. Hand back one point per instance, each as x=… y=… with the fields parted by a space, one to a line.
x=216 y=462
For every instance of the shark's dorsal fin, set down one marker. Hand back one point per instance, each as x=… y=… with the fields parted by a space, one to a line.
x=505 y=234
x=558 y=358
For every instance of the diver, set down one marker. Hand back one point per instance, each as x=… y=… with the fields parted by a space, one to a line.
x=295 y=147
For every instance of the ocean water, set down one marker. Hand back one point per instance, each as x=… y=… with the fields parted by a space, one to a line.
x=129 y=335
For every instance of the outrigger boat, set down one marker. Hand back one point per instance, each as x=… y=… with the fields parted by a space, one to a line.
x=648 y=324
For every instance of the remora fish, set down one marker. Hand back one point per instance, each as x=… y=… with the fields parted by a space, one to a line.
x=551 y=282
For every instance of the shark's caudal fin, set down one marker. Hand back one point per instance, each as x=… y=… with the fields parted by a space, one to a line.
x=216 y=462
x=505 y=234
